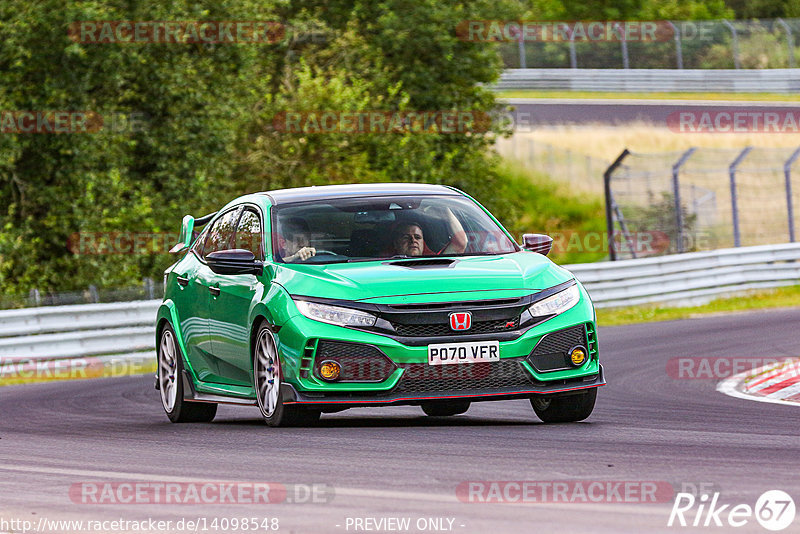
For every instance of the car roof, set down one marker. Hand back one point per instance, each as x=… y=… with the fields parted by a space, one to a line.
x=327 y=192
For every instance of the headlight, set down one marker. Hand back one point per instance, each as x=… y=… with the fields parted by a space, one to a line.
x=558 y=303
x=335 y=314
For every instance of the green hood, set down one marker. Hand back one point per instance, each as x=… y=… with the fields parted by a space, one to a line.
x=473 y=278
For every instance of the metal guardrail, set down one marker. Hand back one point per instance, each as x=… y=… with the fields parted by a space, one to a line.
x=126 y=329
x=653 y=80
x=29 y=321
x=79 y=331
x=694 y=277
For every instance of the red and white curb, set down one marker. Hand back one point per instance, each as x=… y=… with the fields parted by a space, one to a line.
x=778 y=383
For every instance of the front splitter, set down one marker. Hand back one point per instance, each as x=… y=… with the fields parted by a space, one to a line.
x=557 y=388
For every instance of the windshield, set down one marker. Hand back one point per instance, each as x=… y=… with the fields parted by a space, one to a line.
x=363 y=229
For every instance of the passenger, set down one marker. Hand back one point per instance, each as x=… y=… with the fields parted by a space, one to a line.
x=294 y=244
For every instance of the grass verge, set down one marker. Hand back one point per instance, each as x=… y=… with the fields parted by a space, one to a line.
x=75 y=369
x=785 y=297
x=539 y=204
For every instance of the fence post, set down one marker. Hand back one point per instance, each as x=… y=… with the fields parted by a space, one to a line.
x=789 y=40
x=612 y=251
x=737 y=239
x=35 y=297
x=676 y=193
x=787 y=173
x=521 y=47
x=93 y=294
x=735 y=43
x=573 y=55
x=624 y=44
x=149 y=288
x=678 y=48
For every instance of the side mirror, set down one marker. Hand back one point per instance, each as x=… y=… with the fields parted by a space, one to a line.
x=186 y=237
x=189 y=232
x=537 y=243
x=234 y=261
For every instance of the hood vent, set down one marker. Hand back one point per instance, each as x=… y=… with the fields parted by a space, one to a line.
x=427 y=263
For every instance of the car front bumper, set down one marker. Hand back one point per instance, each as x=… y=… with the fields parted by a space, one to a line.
x=410 y=380
x=334 y=399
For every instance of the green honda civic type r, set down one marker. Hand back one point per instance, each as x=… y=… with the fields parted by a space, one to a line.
x=314 y=300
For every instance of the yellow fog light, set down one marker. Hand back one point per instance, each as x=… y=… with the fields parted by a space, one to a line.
x=577 y=356
x=329 y=370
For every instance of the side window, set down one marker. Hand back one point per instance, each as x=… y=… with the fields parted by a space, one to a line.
x=248 y=234
x=221 y=233
x=199 y=241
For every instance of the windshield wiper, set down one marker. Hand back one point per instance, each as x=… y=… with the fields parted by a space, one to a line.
x=397 y=257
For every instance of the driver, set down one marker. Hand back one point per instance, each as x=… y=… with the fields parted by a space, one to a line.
x=295 y=241
x=408 y=239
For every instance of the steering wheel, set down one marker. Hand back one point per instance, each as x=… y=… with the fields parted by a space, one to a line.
x=323 y=251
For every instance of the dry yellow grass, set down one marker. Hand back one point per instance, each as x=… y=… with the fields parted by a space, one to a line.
x=606 y=142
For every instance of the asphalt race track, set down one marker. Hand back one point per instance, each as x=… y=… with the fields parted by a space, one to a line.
x=395 y=462
x=532 y=112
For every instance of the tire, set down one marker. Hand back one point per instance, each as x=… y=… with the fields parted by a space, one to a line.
x=170 y=384
x=445 y=408
x=267 y=375
x=565 y=409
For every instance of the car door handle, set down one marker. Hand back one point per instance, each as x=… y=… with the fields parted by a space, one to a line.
x=214 y=291
x=182 y=281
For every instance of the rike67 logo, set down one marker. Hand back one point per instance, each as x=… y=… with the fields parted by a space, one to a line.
x=774 y=510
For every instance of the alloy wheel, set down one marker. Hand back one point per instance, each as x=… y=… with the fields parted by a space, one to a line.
x=167 y=370
x=268 y=374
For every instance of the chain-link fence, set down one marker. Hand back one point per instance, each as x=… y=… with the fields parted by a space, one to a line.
x=717 y=44
x=702 y=199
x=147 y=290
x=579 y=171
x=728 y=197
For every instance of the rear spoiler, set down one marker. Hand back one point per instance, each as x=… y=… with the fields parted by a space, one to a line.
x=188 y=233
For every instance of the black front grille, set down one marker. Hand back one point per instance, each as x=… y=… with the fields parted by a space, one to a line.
x=359 y=363
x=421 y=377
x=552 y=351
x=443 y=329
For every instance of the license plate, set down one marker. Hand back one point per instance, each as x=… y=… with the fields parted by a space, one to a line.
x=470 y=352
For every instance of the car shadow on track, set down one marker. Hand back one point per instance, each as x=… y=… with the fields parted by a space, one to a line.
x=389 y=422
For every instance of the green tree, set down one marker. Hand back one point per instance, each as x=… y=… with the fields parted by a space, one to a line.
x=193 y=100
